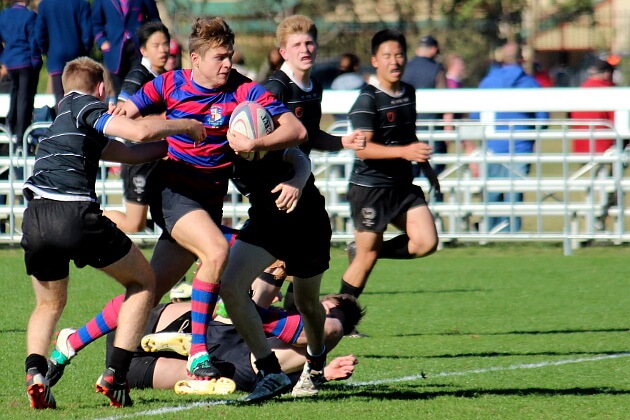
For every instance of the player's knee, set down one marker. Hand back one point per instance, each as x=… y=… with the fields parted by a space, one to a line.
x=215 y=260
x=52 y=306
x=423 y=249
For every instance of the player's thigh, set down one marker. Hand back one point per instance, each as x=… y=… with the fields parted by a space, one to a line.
x=197 y=232
x=132 y=269
x=170 y=262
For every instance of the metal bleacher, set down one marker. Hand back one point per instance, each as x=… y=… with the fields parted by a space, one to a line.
x=568 y=197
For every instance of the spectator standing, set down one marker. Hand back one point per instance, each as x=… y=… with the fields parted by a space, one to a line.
x=349 y=77
x=23 y=61
x=174 y=61
x=273 y=63
x=542 y=76
x=455 y=71
x=114 y=25
x=63 y=32
x=600 y=74
x=510 y=75
x=424 y=72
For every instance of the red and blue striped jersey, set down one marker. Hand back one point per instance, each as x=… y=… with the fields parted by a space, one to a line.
x=179 y=96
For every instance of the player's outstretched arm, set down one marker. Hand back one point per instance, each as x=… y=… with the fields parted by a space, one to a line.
x=415 y=152
x=116 y=151
x=153 y=129
x=329 y=143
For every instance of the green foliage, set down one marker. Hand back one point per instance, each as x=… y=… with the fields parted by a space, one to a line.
x=501 y=331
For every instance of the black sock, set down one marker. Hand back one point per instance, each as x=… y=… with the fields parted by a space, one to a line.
x=349 y=289
x=36 y=361
x=317 y=362
x=269 y=364
x=396 y=248
x=120 y=361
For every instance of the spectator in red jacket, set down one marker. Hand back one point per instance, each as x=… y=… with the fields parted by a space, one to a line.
x=600 y=75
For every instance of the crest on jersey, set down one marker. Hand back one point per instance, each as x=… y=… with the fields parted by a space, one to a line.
x=391 y=117
x=215 y=117
x=299 y=112
x=368 y=216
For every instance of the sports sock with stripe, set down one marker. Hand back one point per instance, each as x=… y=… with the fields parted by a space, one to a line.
x=204 y=299
x=102 y=324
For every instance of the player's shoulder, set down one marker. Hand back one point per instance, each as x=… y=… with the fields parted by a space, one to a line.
x=279 y=78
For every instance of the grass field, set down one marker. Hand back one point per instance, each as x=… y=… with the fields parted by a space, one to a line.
x=504 y=331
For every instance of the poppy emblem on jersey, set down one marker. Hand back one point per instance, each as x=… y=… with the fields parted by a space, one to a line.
x=299 y=112
x=215 y=118
x=391 y=117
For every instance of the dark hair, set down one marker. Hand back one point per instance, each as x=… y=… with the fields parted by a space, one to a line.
x=388 y=35
x=601 y=66
x=348 y=62
x=149 y=28
x=352 y=310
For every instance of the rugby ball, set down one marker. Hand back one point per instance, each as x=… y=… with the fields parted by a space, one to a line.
x=253 y=121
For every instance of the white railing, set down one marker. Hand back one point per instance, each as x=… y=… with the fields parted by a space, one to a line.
x=566 y=196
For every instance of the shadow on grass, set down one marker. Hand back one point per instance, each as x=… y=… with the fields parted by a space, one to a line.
x=493 y=354
x=418 y=292
x=567 y=331
x=410 y=392
x=13 y=331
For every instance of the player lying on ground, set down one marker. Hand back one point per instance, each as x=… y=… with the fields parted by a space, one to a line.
x=162 y=363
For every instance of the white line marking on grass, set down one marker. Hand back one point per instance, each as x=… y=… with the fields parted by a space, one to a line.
x=164 y=410
x=490 y=369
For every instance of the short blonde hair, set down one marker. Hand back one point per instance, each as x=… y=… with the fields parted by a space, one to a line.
x=209 y=33
x=296 y=24
x=83 y=74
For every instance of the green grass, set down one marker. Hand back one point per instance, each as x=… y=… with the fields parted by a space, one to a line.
x=503 y=331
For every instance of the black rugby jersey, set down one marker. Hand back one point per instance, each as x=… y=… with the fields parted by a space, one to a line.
x=67 y=157
x=134 y=80
x=256 y=179
x=393 y=122
x=306 y=106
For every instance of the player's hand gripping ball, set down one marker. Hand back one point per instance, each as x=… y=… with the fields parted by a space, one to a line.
x=253 y=121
